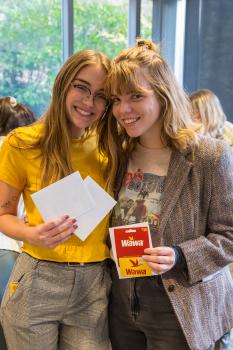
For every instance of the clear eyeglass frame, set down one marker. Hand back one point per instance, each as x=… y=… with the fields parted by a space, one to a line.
x=99 y=98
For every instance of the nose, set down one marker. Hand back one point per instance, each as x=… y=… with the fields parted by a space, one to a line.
x=122 y=108
x=88 y=100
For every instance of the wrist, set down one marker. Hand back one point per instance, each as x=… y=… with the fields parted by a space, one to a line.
x=28 y=234
x=180 y=261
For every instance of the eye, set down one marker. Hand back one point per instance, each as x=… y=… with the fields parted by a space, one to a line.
x=136 y=96
x=101 y=97
x=114 y=100
x=80 y=87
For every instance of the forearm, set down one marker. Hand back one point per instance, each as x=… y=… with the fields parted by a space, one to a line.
x=15 y=228
x=48 y=234
x=206 y=255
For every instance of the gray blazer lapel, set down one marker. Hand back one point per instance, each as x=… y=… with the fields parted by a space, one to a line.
x=178 y=171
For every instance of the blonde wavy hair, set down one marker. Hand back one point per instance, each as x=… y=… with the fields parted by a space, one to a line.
x=55 y=141
x=208 y=110
x=177 y=125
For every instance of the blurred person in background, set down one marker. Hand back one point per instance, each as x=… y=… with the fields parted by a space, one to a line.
x=208 y=111
x=12 y=115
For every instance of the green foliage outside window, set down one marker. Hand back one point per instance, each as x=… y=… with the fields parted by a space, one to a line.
x=30 y=50
x=31 y=42
x=101 y=25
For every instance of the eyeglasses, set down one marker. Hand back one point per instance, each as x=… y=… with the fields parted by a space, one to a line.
x=99 y=99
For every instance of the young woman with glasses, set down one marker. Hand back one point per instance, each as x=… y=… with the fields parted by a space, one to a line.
x=58 y=291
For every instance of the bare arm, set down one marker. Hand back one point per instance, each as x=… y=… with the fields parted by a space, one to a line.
x=48 y=234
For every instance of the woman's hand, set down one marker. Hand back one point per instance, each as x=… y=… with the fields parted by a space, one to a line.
x=51 y=233
x=160 y=259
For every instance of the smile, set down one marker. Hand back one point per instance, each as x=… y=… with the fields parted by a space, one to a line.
x=82 y=112
x=130 y=120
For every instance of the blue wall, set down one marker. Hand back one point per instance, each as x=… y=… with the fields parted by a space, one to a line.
x=208 y=59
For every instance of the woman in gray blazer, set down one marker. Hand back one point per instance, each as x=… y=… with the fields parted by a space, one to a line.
x=162 y=172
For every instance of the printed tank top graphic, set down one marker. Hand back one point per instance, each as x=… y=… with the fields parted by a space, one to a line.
x=139 y=200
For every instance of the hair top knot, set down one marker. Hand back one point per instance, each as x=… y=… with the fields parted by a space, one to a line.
x=147 y=44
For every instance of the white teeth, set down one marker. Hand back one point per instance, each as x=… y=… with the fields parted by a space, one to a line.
x=82 y=111
x=130 y=121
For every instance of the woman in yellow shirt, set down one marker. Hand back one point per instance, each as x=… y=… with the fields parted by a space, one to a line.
x=59 y=286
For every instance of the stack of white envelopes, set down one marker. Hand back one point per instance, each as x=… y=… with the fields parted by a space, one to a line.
x=83 y=200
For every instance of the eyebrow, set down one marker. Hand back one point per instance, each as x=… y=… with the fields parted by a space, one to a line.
x=86 y=82
x=83 y=81
x=126 y=93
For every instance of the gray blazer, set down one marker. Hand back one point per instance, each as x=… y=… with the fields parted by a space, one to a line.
x=197 y=216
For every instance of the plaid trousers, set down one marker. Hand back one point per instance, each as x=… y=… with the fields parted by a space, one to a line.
x=49 y=305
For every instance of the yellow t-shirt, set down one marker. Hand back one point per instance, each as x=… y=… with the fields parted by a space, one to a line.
x=20 y=167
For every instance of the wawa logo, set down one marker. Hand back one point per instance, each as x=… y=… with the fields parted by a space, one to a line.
x=135 y=269
x=130 y=242
x=135 y=263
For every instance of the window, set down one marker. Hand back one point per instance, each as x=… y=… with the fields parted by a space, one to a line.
x=101 y=25
x=146 y=19
x=30 y=45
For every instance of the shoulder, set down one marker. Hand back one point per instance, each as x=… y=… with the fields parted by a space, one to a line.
x=25 y=137
x=211 y=149
x=212 y=156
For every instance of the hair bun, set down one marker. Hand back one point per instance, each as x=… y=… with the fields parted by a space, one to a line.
x=147 y=44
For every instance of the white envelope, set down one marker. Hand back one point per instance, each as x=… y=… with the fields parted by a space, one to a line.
x=84 y=200
x=104 y=203
x=66 y=196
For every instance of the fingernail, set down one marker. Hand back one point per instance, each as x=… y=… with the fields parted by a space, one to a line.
x=75 y=226
x=66 y=216
x=74 y=220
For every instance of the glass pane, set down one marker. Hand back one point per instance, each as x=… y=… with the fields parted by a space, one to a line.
x=30 y=45
x=146 y=19
x=101 y=25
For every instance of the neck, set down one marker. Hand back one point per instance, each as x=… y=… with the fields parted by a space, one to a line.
x=153 y=147
x=76 y=133
x=151 y=139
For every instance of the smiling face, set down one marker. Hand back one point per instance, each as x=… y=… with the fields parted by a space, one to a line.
x=82 y=108
x=139 y=112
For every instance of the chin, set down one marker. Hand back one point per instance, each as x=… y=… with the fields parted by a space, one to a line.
x=84 y=125
x=133 y=134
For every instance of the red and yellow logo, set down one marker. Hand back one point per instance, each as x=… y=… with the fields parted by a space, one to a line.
x=132 y=267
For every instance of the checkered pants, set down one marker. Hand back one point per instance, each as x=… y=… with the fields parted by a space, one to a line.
x=55 y=306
